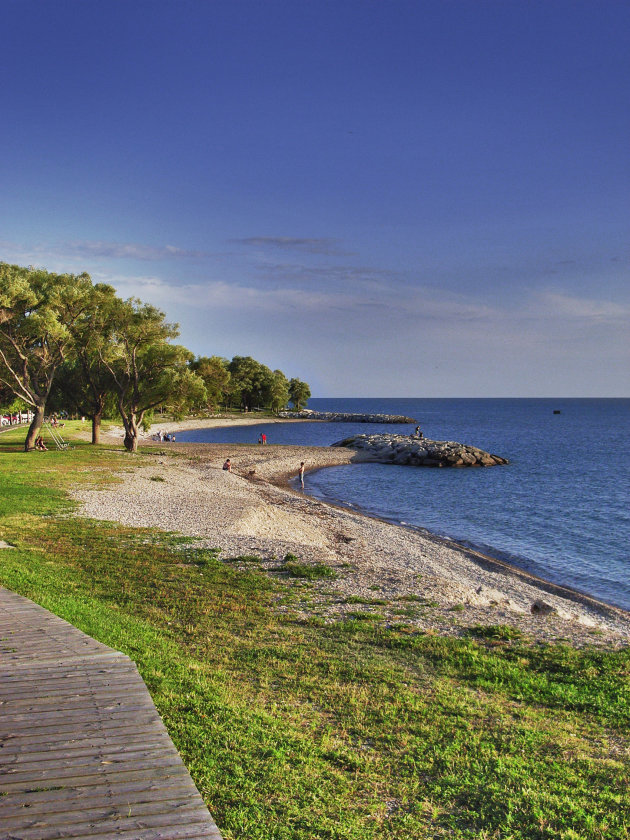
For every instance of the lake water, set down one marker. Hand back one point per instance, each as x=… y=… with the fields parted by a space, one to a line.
x=560 y=509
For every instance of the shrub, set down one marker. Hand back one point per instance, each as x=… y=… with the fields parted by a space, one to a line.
x=314 y=571
x=495 y=631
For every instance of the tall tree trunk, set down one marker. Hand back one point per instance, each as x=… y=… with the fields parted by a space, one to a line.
x=33 y=430
x=96 y=427
x=131 y=433
x=131 y=426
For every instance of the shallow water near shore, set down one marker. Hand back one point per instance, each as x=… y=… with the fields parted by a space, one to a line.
x=560 y=509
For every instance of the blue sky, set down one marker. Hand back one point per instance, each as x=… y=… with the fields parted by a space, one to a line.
x=383 y=198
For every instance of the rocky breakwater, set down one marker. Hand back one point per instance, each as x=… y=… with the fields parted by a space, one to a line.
x=334 y=417
x=418 y=452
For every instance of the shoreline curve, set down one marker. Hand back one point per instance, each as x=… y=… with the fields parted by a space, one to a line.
x=487 y=560
x=268 y=516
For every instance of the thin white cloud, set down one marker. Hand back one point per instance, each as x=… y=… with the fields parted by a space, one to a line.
x=322 y=245
x=218 y=295
x=97 y=249
x=424 y=305
x=587 y=309
x=336 y=276
x=130 y=250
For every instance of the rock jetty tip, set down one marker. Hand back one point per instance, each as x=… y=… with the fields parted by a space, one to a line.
x=418 y=452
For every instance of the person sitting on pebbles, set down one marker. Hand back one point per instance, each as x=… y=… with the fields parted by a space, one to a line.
x=228 y=465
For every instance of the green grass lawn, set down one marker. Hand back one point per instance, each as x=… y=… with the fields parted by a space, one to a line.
x=300 y=730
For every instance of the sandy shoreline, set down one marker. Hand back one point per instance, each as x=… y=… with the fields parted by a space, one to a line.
x=249 y=419
x=415 y=578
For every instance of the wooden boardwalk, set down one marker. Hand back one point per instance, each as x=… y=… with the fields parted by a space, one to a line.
x=83 y=751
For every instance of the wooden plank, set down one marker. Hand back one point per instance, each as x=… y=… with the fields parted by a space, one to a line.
x=59 y=681
x=46 y=769
x=24 y=701
x=106 y=711
x=196 y=831
x=77 y=797
x=67 y=741
x=173 y=803
x=92 y=660
x=65 y=666
x=146 y=717
x=21 y=680
x=91 y=773
x=83 y=751
x=56 y=752
x=105 y=825
x=79 y=758
x=175 y=832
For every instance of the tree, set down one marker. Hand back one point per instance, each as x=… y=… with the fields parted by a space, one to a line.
x=147 y=370
x=299 y=393
x=11 y=404
x=279 y=391
x=6 y=396
x=251 y=381
x=85 y=383
x=216 y=377
x=187 y=390
x=36 y=310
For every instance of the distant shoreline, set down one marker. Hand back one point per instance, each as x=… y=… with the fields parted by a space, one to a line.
x=217 y=423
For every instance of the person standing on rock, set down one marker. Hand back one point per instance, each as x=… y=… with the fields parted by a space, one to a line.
x=301 y=474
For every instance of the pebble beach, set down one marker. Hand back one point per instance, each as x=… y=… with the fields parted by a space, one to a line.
x=254 y=512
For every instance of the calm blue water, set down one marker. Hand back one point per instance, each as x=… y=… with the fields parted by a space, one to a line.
x=561 y=509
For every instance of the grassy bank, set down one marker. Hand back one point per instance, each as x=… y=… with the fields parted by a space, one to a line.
x=301 y=730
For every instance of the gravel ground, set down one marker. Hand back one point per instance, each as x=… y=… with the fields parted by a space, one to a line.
x=424 y=581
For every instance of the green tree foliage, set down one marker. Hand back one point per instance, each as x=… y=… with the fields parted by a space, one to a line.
x=6 y=395
x=146 y=369
x=187 y=391
x=10 y=404
x=299 y=393
x=36 y=311
x=251 y=382
x=84 y=383
x=216 y=377
x=279 y=391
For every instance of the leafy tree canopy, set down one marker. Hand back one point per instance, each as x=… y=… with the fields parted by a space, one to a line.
x=36 y=311
x=146 y=369
x=251 y=381
x=216 y=377
x=299 y=393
